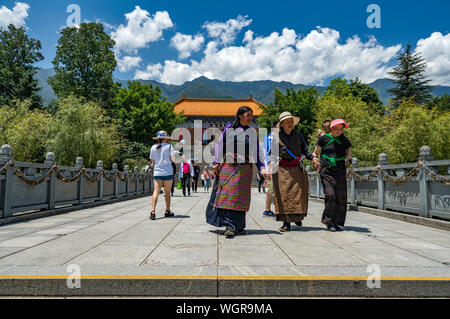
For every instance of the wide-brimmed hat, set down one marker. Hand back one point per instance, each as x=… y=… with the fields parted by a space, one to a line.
x=285 y=116
x=161 y=135
x=337 y=122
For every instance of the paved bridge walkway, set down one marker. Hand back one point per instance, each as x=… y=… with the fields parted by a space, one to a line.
x=117 y=250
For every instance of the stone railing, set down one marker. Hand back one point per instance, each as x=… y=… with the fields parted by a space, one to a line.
x=31 y=187
x=414 y=188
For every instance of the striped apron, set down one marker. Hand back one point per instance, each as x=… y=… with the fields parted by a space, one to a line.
x=236 y=193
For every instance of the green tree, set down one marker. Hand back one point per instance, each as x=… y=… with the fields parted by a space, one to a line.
x=18 y=54
x=441 y=103
x=84 y=64
x=141 y=112
x=301 y=103
x=409 y=78
x=25 y=130
x=82 y=128
x=340 y=87
x=411 y=126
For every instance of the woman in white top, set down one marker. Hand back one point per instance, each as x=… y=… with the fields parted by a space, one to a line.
x=161 y=156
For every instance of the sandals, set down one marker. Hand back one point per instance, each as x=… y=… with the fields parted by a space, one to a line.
x=152 y=215
x=168 y=213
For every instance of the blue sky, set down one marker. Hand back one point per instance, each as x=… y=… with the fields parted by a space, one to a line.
x=305 y=42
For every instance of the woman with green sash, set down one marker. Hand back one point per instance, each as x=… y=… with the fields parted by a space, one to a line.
x=335 y=151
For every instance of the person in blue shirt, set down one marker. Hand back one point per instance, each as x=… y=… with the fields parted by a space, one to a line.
x=269 y=194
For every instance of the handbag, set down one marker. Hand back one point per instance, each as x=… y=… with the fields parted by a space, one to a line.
x=212 y=212
x=179 y=184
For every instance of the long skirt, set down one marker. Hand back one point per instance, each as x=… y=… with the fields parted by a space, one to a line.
x=233 y=197
x=291 y=192
x=335 y=188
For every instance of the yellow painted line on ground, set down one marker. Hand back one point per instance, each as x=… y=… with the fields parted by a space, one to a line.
x=227 y=277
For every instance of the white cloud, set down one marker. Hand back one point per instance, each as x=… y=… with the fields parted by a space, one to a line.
x=186 y=45
x=436 y=51
x=226 y=31
x=285 y=57
x=127 y=63
x=140 y=30
x=16 y=16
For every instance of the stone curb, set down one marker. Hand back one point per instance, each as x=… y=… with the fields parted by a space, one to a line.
x=225 y=288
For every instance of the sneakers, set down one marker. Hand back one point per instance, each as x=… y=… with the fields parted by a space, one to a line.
x=229 y=231
x=268 y=213
x=340 y=228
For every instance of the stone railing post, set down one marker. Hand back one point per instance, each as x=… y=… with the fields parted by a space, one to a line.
x=51 y=184
x=78 y=167
x=116 y=181
x=353 y=204
x=126 y=173
x=143 y=179
x=424 y=156
x=100 y=182
x=382 y=160
x=6 y=155
x=135 y=172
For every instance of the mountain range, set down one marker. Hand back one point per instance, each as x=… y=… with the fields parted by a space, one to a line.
x=202 y=87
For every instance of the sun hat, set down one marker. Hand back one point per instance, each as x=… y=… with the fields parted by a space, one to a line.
x=337 y=122
x=161 y=135
x=285 y=116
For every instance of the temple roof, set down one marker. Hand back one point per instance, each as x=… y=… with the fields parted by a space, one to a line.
x=215 y=107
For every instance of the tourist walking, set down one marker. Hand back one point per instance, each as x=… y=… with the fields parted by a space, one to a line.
x=196 y=169
x=335 y=151
x=185 y=174
x=236 y=150
x=290 y=180
x=268 y=183
x=162 y=155
x=174 y=167
x=261 y=180
x=325 y=128
x=206 y=179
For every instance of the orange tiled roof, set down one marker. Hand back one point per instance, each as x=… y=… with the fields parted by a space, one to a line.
x=215 y=107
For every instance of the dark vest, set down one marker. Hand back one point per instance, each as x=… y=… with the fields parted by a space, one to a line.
x=294 y=145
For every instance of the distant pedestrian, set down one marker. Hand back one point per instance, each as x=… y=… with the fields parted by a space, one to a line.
x=335 y=151
x=174 y=167
x=290 y=180
x=261 y=180
x=162 y=155
x=268 y=182
x=325 y=128
x=235 y=152
x=207 y=179
x=196 y=169
x=185 y=174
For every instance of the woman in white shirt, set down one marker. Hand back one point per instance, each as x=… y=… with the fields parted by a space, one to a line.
x=161 y=156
